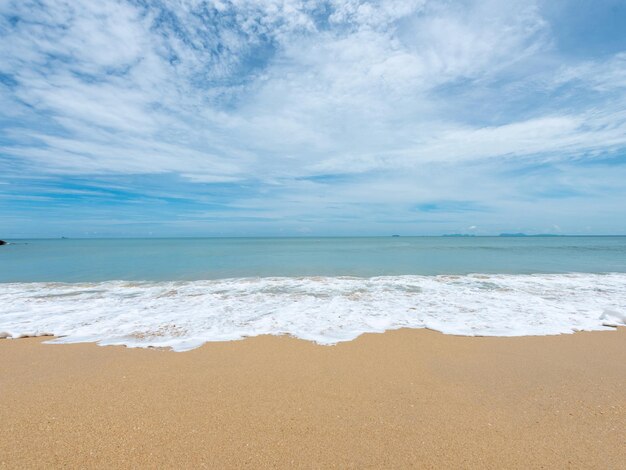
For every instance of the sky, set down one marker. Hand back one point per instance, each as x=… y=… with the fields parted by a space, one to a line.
x=311 y=118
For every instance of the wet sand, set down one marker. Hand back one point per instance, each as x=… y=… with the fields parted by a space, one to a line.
x=406 y=398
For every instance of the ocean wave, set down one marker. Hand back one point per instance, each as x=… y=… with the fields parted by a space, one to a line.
x=183 y=315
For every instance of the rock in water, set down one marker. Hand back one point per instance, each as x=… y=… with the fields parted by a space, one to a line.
x=2 y=242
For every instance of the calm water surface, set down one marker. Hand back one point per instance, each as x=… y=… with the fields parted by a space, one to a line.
x=92 y=260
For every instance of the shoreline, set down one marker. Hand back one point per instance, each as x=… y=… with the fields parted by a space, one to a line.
x=50 y=339
x=406 y=397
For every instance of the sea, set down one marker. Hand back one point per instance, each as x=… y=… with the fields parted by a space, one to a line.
x=181 y=293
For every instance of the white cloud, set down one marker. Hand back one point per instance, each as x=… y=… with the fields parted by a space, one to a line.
x=278 y=90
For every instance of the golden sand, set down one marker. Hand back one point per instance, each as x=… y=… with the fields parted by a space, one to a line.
x=406 y=398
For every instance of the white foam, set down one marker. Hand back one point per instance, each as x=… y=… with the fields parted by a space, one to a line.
x=327 y=310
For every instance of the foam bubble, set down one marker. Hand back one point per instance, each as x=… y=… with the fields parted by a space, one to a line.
x=327 y=310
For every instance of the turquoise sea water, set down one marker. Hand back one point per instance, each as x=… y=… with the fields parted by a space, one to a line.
x=93 y=260
x=180 y=293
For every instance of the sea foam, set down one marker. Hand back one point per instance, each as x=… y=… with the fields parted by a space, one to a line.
x=185 y=314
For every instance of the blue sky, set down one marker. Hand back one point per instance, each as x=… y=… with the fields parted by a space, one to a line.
x=304 y=117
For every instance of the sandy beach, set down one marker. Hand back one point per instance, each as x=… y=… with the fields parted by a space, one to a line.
x=405 y=398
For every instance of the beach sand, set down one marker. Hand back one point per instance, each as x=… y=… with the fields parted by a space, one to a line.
x=405 y=398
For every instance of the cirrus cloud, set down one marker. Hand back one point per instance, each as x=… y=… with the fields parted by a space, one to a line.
x=303 y=105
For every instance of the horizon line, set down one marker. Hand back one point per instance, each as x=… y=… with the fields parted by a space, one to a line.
x=502 y=235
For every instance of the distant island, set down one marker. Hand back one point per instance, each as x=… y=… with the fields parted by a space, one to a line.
x=506 y=235
x=525 y=235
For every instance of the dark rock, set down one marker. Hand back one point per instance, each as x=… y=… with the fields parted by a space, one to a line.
x=2 y=242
